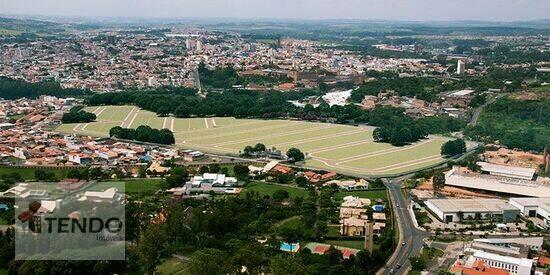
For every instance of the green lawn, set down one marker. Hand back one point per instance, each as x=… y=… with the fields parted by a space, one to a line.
x=172 y=266
x=333 y=147
x=268 y=189
x=130 y=186
x=28 y=173
x=369 y=194
x=292 y=222
x=359 y=244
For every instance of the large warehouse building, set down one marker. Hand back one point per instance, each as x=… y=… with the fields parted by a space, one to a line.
x=534 y=207
x=498 y=184
x=455 y=210
x=507 y=171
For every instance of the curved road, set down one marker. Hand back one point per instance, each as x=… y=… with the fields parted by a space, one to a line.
x=411 y=239
x=477 y=111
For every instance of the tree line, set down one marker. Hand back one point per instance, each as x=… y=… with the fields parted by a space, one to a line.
x=15 y=89
x=144 y=133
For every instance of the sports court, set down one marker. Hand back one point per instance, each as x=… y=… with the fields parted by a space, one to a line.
x=328 y=146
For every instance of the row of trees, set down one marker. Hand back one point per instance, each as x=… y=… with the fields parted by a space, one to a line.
x=143 y=133
x=77 y=115
x=15 y=89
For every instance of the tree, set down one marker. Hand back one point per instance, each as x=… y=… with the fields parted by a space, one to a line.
x=377 y=183
x=438 y=181
x=44 y=175
x=417 y=263
x=241 y=171
x=144 y=133
x=204 y=169
x=73 y=174
x=301 y=181
x=151 y=248
x=208 y=261
x=177 y=177
x=77 y=115
x=295 y=155
x=284 y=178
x=253 y=256
x=280 y=194
x=453 y=147
x=214 y=168
x=260 y=147
x=281 y=265
x=248 y=150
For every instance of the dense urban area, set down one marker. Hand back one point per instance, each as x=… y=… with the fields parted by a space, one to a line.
x=282 y=147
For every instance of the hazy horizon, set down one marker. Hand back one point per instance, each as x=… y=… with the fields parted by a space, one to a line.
x=391 y=10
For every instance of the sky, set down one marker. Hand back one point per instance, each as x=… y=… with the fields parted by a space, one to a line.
x=416 y=10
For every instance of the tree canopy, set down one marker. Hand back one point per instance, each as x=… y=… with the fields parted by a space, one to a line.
x=143 y=133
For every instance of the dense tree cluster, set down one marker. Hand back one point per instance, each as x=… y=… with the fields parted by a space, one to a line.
x=234 y=103
x=427 y=88
x=419 y=87
x=224 y=77
x=222 y=234
x=398 y=129
x=515 y=123
x=14 y=89
x=77 y=115
x=453 y=148
x=143 y=133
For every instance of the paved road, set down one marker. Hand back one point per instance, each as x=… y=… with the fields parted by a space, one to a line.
x=477 y=111
x=409 y=234
x=197 y=80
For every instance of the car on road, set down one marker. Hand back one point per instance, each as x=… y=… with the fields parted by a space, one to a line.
x=398 y=266
x=404 y=243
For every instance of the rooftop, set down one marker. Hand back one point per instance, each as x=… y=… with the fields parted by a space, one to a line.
x=512 y=171
x=471 y=205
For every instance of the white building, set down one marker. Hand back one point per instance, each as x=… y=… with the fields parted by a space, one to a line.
x=108 y=195
x=460 y=66
x=455 y=210
x=534 y=243
x=213 y=179
x=507 y=171
x=534 y=207
x=505 y=185
x=516 y=266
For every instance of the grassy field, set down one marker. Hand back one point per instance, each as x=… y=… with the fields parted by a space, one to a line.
x=268 y=189
x=28 y=173
x=130 y=187
x=347 y=243
x=334 y=147
x=172 y=266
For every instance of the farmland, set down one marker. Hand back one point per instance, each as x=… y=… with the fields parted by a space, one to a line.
x=335 y=147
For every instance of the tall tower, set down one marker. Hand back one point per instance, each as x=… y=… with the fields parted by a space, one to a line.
x=460 y=66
